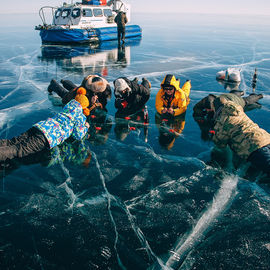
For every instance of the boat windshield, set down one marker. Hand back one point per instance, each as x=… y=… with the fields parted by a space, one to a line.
x=98 y=12
x=107 y=12
x=76 y=12
x=65 y=12
x=87 y=12
x=57 y=13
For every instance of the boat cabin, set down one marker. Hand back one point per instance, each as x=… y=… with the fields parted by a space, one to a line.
x=85 y=16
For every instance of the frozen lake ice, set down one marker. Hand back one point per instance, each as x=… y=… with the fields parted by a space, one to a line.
x=142 y=202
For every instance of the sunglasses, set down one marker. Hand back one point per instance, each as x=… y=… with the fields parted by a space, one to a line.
x=168 y=88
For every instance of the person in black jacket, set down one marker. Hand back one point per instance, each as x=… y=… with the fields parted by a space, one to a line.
x=130 y=97
x=98 y=90
x=121 y=20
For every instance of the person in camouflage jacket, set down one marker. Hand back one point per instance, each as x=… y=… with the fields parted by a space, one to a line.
x=205 y=107
x=234 y=128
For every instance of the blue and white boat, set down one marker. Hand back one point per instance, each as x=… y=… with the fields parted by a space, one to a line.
x=85 y=22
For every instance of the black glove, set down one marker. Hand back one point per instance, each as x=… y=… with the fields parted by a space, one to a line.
x=135 y=80
x=146 y=82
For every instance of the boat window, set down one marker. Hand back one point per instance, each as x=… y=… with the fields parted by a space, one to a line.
x=65 y=12
x=98 y=12
x=107 y=12
x=57 y=13
x=76 y=12
x=87 y=12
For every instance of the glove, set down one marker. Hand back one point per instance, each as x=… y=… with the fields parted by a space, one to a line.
x=124 y=104
x=145 y=80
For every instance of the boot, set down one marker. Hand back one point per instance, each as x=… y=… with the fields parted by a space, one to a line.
x=50 y=88
x=69 y=85
x=252 y=98
x=146 y=83
x=54 y=86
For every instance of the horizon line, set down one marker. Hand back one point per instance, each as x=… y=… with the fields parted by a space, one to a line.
x=167 y=12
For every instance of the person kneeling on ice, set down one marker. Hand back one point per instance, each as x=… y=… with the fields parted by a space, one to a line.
x=130 y=97
x=234 y=128
x=98 y=90
x=171 y=100
x=70 y=122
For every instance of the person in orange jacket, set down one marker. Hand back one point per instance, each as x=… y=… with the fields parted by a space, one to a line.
x=171 y=99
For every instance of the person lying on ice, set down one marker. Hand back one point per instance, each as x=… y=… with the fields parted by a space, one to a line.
x=171 y=100
x=233 y=127
x=70 y=122
x=130 y=97
x=98 y=90
x=205 y=107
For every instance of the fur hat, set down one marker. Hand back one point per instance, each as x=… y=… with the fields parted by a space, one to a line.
x=95 y=83
x=83 y=100
x=120 y=85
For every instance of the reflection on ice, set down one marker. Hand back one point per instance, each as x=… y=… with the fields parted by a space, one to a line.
x=90 y=59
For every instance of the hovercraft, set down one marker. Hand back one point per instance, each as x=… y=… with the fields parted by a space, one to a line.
x=86 y=22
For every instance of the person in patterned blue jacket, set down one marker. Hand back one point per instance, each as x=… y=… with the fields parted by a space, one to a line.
x=70 y=122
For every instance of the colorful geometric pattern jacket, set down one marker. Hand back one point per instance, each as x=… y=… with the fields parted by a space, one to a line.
x=76 y=152
x=69 y=122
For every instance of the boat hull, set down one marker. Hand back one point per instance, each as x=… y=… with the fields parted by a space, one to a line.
x=64 y=36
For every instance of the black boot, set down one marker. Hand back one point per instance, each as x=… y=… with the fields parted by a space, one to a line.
x=54 y=86
x=69 y=85
x=252 y=98
x=50 y=88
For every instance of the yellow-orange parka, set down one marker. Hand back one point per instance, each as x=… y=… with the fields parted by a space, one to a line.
x=180 y=100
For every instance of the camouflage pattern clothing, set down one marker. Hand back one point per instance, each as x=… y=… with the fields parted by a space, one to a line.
x=234 y=98
x=205 y=107
x=234 y=128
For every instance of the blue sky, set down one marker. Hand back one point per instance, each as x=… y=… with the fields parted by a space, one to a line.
x=180 y=6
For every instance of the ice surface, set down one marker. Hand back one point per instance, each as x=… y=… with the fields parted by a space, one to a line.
x=139 y=202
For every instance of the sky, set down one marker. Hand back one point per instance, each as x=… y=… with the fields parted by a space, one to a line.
x=256 y=7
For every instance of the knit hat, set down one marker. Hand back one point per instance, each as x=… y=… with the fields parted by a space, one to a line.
x=120 y=85
x=95 y=83
x=83 y=100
